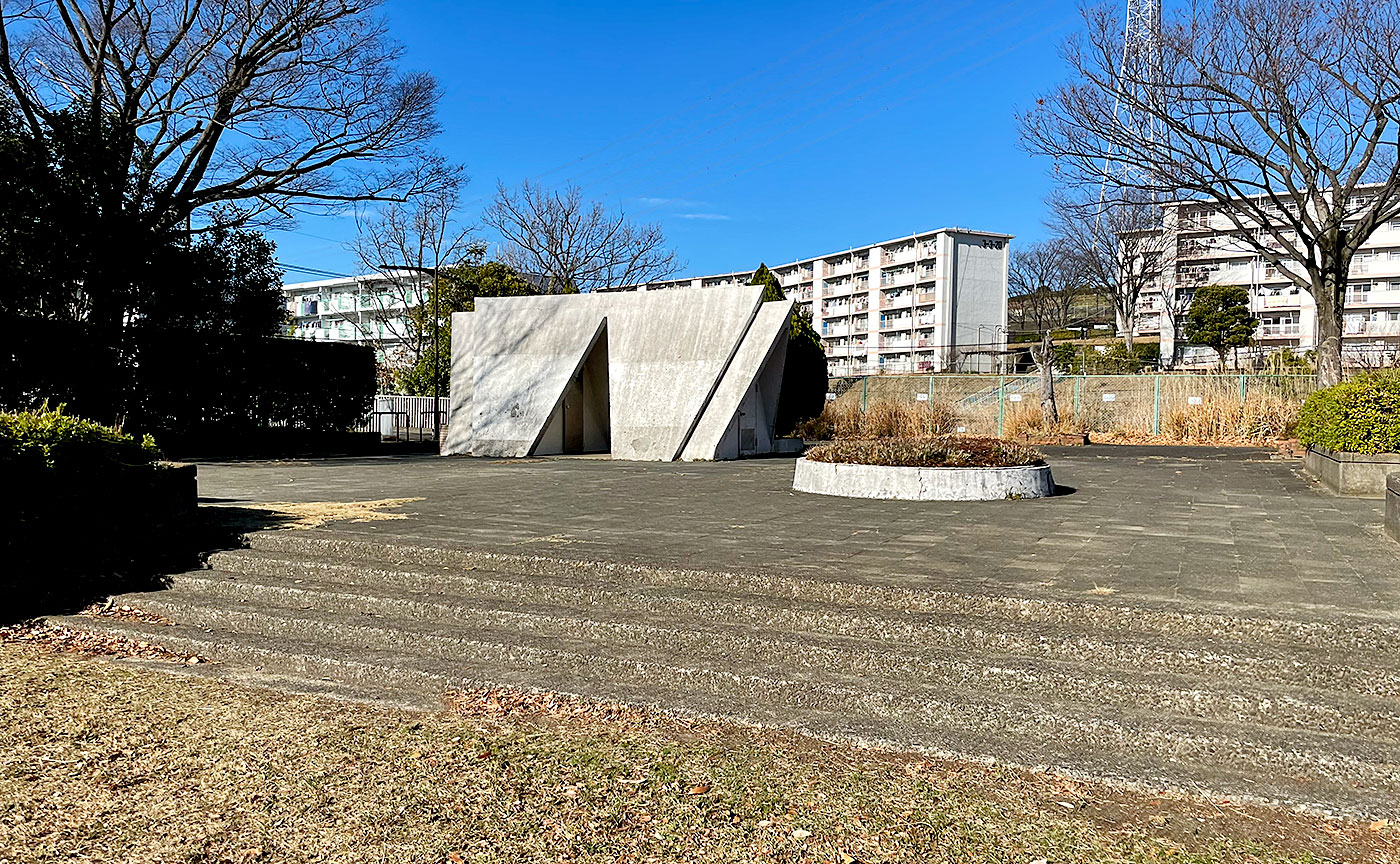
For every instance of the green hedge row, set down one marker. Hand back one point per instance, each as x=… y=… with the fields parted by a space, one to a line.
x=1360 y=415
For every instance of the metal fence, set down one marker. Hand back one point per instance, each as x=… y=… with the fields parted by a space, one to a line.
x=988 y=404
x=404 y=418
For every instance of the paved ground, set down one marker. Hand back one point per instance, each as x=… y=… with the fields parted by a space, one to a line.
x=1195 y=619
x=1233 y=528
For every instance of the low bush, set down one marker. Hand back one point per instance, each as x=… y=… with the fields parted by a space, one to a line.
x=83 y=504
x=948 y=451
x=48 y=439
x=1224 y=418
x=882 y=419
x=1361 y=415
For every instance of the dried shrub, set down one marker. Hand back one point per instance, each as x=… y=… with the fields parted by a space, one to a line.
x=1028 y=421
x=1224 y=418
x=947 y=451
x=883 y=419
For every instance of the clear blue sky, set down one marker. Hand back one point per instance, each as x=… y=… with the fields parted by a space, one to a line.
x=769 y=130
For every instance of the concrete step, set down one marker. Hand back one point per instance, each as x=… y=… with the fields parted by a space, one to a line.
x=1136 y=745
x=1379 y=635
x=1201 y=646
x=440 y=626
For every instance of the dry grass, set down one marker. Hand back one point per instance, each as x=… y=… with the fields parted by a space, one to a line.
x=948 y=451
x=1218 y=418
x=882 y=419
x=105 y=761
x=315 y=514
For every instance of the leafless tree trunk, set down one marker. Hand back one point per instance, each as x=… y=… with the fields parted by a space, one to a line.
x=1117 y=246
x=253 y=109
x=576 y=246
x=1045 y=279
x=1044 y=355
x=1276 y=119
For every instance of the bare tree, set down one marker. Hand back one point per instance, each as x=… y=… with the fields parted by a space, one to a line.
x=1176 y=302
x=254 y=107
x=1044 y=356
x=1117 y=246
x=1045 y=281
x=404 y=245
x=1281 y=115
x=573 y=245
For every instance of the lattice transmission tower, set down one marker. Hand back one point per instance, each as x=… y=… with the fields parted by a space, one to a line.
x=1139 y=77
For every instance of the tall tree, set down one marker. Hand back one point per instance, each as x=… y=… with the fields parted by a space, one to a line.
x=264 y=106
x=1118 y=249
x=575 y=245
x=1280 y=115
x=1219 y=318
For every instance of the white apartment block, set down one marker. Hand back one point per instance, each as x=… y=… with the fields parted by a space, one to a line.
x=362 y=309
x=929 y=302
x=1202 y=248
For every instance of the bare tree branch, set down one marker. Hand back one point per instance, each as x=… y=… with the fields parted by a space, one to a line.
x=261 y=108
x=575 y=246
x=1280 y=116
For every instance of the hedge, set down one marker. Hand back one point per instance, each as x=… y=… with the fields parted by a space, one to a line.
x=1359 y=415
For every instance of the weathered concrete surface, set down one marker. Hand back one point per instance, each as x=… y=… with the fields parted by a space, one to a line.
x=669 y=354
x=1186 y=617
x=459 y=404
x=1358 y=474
x=738 y=419
x=923 y=484
x=1392 y=506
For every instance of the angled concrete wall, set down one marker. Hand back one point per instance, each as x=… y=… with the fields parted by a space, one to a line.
x=738 y=421
x=668 y=355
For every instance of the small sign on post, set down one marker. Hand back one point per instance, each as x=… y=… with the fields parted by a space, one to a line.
x=831 y=397
x=1014 y=397
x=1194 y=400
x=962 y=429
x=1110 y=397
x=920 y=397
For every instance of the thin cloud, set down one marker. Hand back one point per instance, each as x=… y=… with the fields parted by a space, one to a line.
x=716 y=217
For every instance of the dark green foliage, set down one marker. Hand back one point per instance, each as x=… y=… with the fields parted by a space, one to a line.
x=120 y=316
x=49 y=439
x=804 y=368
x=949 y=451
x=1115 y=359
x=1219 y=318
x=1360 y=415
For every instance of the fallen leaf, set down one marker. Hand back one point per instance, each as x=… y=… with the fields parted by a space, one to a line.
x=799 y=834
x=699 y=789
x=1380 y=824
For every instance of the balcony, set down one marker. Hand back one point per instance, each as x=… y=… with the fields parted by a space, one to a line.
x=835 y=329
x=896 y=344
x=1280 y=301
x=1278 y=331
x=895 y=302
x=895 y=323
x=1372 y=328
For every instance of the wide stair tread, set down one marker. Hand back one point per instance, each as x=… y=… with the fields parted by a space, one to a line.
x=1299 y=766
x=1267 y=650
x=427 y=624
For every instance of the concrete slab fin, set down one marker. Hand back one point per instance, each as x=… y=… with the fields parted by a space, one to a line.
x=739 y=417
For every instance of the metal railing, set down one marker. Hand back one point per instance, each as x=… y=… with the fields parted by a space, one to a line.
x=404 y=418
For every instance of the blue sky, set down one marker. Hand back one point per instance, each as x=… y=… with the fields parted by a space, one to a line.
x=752 y=131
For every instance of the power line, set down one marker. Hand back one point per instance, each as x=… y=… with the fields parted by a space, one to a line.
x=314 y=271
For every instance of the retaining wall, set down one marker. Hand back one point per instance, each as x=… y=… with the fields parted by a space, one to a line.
x=1358 y=475
x=1392 y=506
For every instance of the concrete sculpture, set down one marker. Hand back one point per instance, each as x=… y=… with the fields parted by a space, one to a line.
x=652 y=375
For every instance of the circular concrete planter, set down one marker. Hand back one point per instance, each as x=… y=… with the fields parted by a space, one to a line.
x=923 y=484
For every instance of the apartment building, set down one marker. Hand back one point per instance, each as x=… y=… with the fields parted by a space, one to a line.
x=929 y=302
x=1202 y=247
x=364 y=309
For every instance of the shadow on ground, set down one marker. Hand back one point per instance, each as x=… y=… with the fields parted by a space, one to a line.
x=62 y=581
